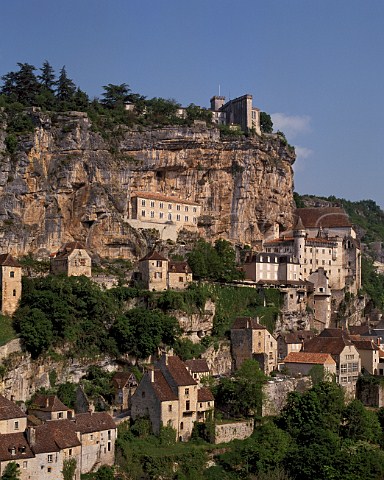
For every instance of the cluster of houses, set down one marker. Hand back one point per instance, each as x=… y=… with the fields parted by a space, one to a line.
x=41 y=442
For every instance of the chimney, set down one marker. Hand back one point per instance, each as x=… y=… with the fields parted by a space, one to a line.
x=31 y=436
x=151 y=373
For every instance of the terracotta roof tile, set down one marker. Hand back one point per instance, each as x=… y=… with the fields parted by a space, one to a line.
x=332 y=345
x=94 y=422
x=309 y=357
x=162 y=198
x=365 y=345
x=298 y=336
x=162 y=389
x=121 y=379
x=17 y=443
x=179 y=372
x=153 y=256
x=6 y=260
x=48 y=403
x=205 y=395
x=247 y=322
x=326 y=217
x=198 y=365
x=179 y=267
x=54 y=436
x=9 y=409
x=68 y=248
x=334 y=332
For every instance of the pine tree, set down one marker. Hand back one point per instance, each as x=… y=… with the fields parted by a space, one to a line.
x=47 y=77
x=65 y=87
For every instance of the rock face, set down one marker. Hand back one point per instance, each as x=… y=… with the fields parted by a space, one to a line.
x=68 y=182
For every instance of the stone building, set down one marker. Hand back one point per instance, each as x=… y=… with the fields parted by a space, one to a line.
x=277 y=267
x=292 y=342
x=167 y=214
x=198 y=368
x=238 y=111
x=323 y=237
x=345 y=354
x=250 y=340
x=49 y=407
x=369 y=354
x=158 y=273
x=320 y=299
x=72 y=260
x=41 y=450
x=301 y=363
x=124 y=386
x=10 y=281
x=171 y=397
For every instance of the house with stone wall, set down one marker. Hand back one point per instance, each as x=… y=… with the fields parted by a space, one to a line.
x=238 y=111
x=301 y=363
x=41 y=449
x=250 y=340
x=10 y=281
x=72 y=260
x=49 y=407
x=157 y=273
x=169 y=396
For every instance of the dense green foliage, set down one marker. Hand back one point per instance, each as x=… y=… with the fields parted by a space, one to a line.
x=372 y=282
x=214 y=262
x=7 y=331
x=266 y=123
x=241 y=396
x=11 y=472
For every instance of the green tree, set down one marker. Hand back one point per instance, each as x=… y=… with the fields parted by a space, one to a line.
x=360 y=423
x=11 y=472
x=266 y=124
x=140 y=332
x=36 y=331
x=22 y=86
x=65 y=87
x=67 y=393
x=115 y=95
x=47 y=76
x=69 y=468
x=242 y=395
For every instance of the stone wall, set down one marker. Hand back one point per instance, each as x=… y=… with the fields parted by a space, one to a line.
x=276 y=393
x=219 y=358
x=226 y=432
x=11 y=347
x=66 y=182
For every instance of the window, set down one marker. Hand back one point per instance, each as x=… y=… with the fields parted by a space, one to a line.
x=343 y=379
x=158 y=263
x=25 y=464
x=187 y=405
x=178 y=208
x=186 y=391
x=109 y=446
x=181 y=425
x=201 y=405
x=158 y=275
x=142 y=394
x=178 y=218
x=186 y=208
x=50 y=458
x=169 y=206
x=152 y=214
x=161 y=205
x=70 y=452
x=143 y=213
x=350 y=357
x=109 y=434
x=152 y=204
x=194 y=209
x=49 y=469
x=12 y=274
x=181 y=279
x=169 y=216
x=143 y=203
x=323 y=250
x=343 y=368
x=60 y=415
x=16 y=425
x=169 y=408
x=194 y=220
x=91 y=436
x=161 y=215
x=186 y=218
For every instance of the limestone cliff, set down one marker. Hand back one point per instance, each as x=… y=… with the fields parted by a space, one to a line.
x=67 y=181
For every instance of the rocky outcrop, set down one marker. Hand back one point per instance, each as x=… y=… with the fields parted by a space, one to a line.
x=195 y=326
x=219 y=358
x=67 y=181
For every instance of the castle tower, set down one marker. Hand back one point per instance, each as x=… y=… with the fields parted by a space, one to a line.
x=299 y=235
x=217 y=102
x=10 y=281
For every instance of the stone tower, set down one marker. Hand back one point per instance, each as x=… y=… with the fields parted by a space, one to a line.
x=10 y=281
x=299 y=235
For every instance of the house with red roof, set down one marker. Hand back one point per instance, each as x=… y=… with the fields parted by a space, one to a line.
x=301 y=363
x=170 y=396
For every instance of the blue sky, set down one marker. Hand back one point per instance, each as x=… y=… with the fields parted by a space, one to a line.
x=315 y=65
